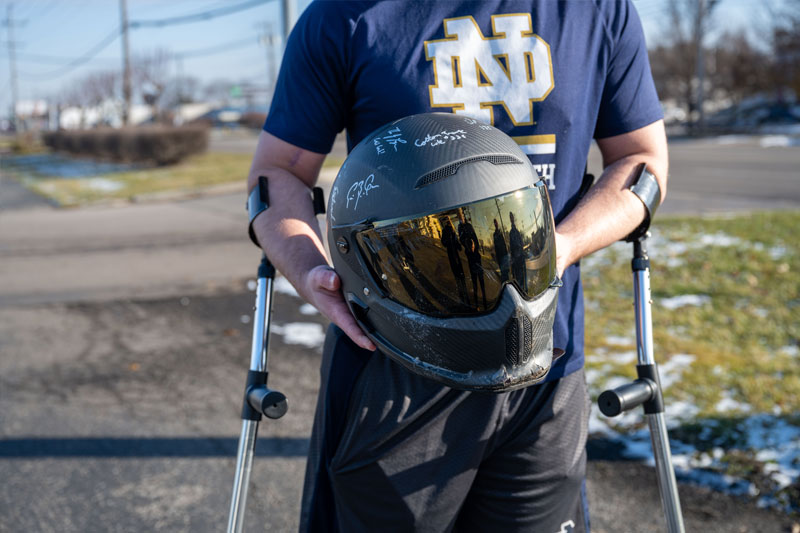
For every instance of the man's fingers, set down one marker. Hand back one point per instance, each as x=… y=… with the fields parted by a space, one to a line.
x=331 y=303
x=352 y=330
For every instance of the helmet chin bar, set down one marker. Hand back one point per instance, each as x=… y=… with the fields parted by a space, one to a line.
x=514 y=355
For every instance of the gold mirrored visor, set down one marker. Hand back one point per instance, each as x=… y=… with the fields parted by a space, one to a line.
x=457 y=262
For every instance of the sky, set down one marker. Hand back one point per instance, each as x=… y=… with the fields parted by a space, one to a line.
x=49 y=35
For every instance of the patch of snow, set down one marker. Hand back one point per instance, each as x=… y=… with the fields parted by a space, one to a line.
x=790 y=350
x=671 y=371
x=719 y=239
x=772 y=141
x=103 y=184
x=308 y=309
x=728 y=404
x=309 y=334
x=283 y=286
x=778 y=252
x=620 y=340
x=683 y=300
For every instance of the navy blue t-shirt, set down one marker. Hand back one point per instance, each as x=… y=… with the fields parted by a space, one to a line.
x=552 y=75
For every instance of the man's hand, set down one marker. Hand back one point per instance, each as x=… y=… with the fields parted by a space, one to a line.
x=289 y=233
x=323 y=291
x=562 y=253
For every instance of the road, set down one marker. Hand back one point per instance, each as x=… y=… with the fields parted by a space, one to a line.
x=124 y=334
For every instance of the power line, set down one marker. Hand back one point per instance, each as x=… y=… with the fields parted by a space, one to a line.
x=197 y=17
x=42 y=11
x=55 y=60
x=224 y=47
x=99 y=47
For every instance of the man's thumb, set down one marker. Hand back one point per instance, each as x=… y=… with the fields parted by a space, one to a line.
x=326 y=277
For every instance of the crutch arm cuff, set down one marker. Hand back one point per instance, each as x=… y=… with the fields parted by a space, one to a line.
x=646 y=189
x=257 y=203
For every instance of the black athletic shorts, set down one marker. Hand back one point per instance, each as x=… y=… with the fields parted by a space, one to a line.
x=393 y=451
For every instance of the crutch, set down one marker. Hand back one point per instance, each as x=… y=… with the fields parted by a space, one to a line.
x=646 y=390
x=258 y=399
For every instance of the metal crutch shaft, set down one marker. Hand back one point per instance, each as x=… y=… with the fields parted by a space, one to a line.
x=647 y=390
x=258 y=399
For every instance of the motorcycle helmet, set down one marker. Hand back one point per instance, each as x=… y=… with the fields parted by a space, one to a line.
x=443 y=236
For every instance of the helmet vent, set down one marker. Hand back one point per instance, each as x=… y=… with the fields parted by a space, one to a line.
x=512 y=342
x=527 y=335
x=519 y=340
x=448 y=170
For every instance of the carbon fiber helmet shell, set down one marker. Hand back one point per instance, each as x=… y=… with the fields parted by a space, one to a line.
x=421 y=166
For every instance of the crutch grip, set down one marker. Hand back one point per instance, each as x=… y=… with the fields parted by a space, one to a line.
x=644 y=391
x=268 y=402
x=260 y=400
x=615 y=401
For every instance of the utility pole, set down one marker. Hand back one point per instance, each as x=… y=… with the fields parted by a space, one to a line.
x=268 y=40
x=126 y=64
x=702 y=20
x=12 y=66
x=288 y=8
x=179 y=80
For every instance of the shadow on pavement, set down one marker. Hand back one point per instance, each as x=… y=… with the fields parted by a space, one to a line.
x=27 y=448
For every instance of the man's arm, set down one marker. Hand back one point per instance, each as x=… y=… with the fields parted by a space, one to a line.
x=289 y=233
x=610 y=212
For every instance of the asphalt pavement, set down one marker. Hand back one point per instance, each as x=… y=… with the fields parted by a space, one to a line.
x=125 y=339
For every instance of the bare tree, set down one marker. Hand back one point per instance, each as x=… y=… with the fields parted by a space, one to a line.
x=182 y=90
x=101 y=89
x=738 y=69
x=218 y=90
x=691 y=21
x=786 y=49
x=150 y=75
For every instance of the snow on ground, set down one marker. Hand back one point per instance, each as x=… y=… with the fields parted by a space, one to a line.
x=308 y=334
x=765 y=438
x=308 y=309
x=684 y=300
x=103 y=184
x=283 y=286
x=768 y=439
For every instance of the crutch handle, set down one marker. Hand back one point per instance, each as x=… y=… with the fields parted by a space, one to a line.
x=644 y=391
x=626 y=397
x=268 y=402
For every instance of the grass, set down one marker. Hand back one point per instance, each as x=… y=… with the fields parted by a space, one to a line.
x=194 y=174
x=742 y=333
x=744 y=337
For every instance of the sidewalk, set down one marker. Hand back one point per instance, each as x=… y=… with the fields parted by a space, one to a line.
x=163 y=248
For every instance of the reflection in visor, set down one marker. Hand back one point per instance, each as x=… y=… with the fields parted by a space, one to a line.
x=456 y=262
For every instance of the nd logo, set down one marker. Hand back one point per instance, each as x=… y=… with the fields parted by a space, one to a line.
x=512 y=68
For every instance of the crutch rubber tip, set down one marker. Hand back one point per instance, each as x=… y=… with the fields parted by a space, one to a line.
x=274 y=405
x=626 y=397
x=609 y=403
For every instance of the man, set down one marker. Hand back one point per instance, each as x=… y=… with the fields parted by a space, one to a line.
x=500 y=251
x=553 y=75
x=449 y=240
x=517 y=253
x=472 y=249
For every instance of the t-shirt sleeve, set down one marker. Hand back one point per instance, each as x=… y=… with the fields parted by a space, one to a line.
x=308 y=106
x=629 y=100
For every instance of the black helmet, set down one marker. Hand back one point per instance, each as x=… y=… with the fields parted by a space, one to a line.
x=443 y=237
